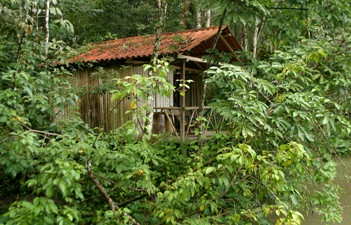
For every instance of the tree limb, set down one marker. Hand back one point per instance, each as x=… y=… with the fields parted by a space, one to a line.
x=47 y=30
x=289 y=8
x=159 y=29
x=100 y=187
x=39 y=131
x=135 y=198
x=105 y=194
x=219 y=29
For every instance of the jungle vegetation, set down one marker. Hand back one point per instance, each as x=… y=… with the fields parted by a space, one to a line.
x=286 y=106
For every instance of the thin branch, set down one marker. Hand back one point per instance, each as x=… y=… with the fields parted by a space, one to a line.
x=219 y=29
x=137 y=189
x=162 y=138
x=4 y=140
x=327 y=140
x=20 y=44
x=289 y=8
x=113 y=182
x=135 y=198
x=104 y=178
x=100 y=187
x=105 y=194
x=269 y=190
x=232 y=183
x=261 y=27
x=39 y=131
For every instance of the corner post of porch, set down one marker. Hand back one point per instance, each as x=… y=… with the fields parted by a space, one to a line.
x=182 y=103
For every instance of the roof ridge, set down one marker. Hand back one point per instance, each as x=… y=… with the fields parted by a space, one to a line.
x=195 y=29
x=165 y=33
x=142 y=46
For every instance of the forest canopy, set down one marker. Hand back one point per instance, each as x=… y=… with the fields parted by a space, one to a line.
x=284 y=105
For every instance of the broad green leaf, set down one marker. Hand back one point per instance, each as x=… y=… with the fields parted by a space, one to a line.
x=209 y=170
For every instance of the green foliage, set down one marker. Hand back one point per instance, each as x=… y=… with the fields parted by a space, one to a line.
x=286 y=118
x=280 y=100
x=286 y=99
x=282 y=23
x=105 y=19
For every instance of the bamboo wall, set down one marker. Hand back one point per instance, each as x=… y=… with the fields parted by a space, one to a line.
x=97 y=110
x=194 y=94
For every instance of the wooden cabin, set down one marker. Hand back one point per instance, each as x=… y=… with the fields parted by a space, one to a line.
x=128 y=55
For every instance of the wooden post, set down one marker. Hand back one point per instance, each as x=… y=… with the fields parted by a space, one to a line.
x=182 y=103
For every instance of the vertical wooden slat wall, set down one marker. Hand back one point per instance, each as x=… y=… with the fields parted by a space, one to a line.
x=194 y=94
x=164 y=101
x=95 y=109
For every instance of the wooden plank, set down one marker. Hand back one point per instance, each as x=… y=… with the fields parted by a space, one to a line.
x=171 y=123
x=170 y=108
x=191 y=58
x=190 y=121
x=197 y=107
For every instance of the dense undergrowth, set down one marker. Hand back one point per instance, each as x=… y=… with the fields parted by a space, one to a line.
x=286 y=118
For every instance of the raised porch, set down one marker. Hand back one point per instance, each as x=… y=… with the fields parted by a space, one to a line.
x=183 y=122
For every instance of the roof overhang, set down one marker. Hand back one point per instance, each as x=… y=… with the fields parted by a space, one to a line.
x=189 y=45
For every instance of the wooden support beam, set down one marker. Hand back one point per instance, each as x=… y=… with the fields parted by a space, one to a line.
x=182 y=103
x=228 y=46
x=199 y=65
x=188 y=69
x=227 y=35
x=174 y=130
x=191 y=58
x=136 y=62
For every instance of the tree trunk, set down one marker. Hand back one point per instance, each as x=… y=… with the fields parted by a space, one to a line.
x=255 y=39
x=244 y=38
x=208 y=18
x=198 y=19
x=47 y=30
x=37 y=17
x=185 y=12
x=159 y=28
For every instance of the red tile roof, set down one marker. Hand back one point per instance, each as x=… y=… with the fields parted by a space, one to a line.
x=193 y=41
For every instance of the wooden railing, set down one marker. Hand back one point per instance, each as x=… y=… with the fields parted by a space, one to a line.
x=167 y=119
